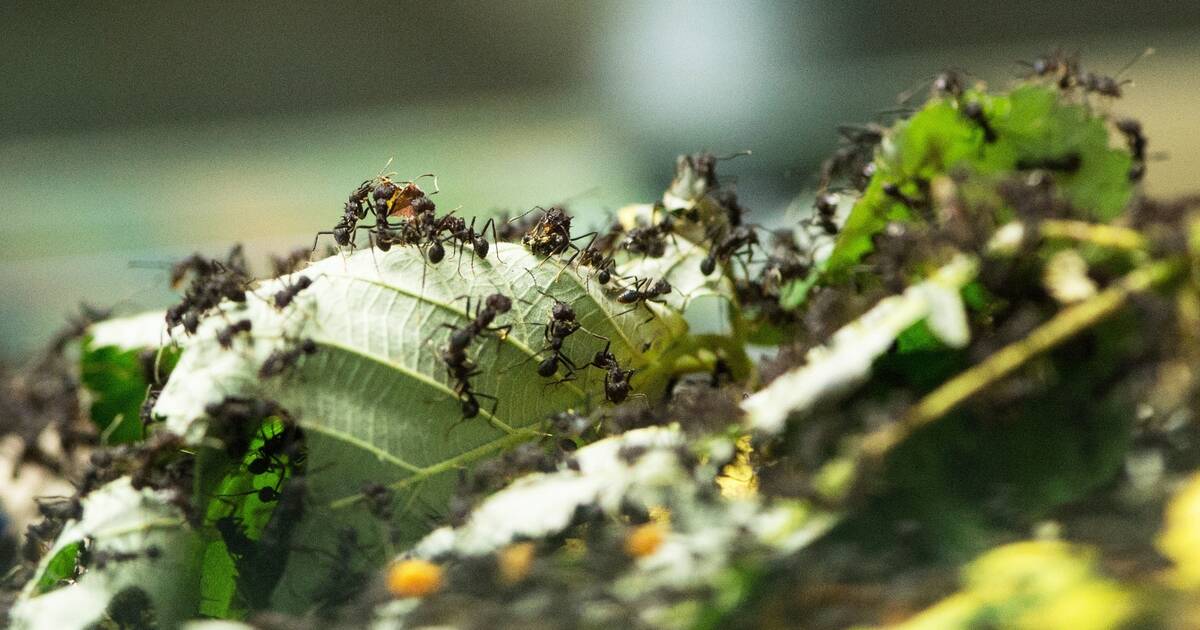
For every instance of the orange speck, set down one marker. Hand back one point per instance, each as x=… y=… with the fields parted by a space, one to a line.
x=414 y=578
x=515 y=562
x=645 y=539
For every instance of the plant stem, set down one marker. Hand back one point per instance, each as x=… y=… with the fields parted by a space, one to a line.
x=1066 y=324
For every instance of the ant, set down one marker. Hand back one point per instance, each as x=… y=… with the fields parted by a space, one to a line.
x=650 y=240
x=826 y=207
x=1132 y=130
x=1068 y=163
x=1056 y=64
x=893 y=190
x=1110 y=86
x=459 y=366
x=974 y=112
x=285 y=296
x=551 y=234
x=637 y=296
x=856 y=148
x=282 y=359
x=225 y=335
x=742 y=236
x=616 y=380
x=562 y=324
x=599 y=253
x=355 y=210
x=212 y=281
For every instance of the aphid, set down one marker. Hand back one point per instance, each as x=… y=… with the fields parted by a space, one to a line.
x=974 y=111
x=281 y=359
x=1132 y=130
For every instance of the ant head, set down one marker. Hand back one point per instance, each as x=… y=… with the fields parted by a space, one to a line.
x=498 y=302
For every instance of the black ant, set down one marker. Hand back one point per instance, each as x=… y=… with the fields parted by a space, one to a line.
x=1109 y=86
x=225 y=335
x=826 y=207
x=281 y=359
x=551 y=234
x=101 y=559
x=459 y=366
x=285 y=296
x=636 y=295
x=616 y=380
x=893 y=190
x=355 y=210
x=1068 y=163
x=598 y=254
x=1132 y=130
x=1063 y=69
x=650 y=240
x=742 y=236
x=974 y=112
x=212 y=281
x=856 y=148
x=562 y=324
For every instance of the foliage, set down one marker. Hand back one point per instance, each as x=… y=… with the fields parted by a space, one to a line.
x=984 y=359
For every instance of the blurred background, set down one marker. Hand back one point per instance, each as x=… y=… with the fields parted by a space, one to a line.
x=134 y=133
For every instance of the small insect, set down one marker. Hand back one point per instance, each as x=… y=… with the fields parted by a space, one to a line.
x=282 y=359
x=740 y=239
x=551 y=234
x=650 y=240
x=893 y=190
x=616 y=379
x=1110 y=86
x=974 y=111
x=226 y=335
x=459 y=366
x=1132 y=130
x=1056 y=65
x=285 y=296
x=825 y=207
x=1068 y=163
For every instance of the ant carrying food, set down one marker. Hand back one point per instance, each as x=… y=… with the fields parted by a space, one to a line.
x=552 y=233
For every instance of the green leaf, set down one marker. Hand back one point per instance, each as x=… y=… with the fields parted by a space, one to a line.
x=116 y=518
x=111 y=372
x=1031 y=123
x=375 y=400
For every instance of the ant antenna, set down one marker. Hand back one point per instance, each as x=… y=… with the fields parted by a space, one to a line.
x=436 y=188
x=1139 y=57
x=733 y=155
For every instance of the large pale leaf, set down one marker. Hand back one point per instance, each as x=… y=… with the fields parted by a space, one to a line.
x=116 y=518
x=375 y=400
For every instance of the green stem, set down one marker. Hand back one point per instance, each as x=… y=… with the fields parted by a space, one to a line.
x=462 y=459
x=1066 y=324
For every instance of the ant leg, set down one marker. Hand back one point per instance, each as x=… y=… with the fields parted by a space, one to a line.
x=495 y=236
